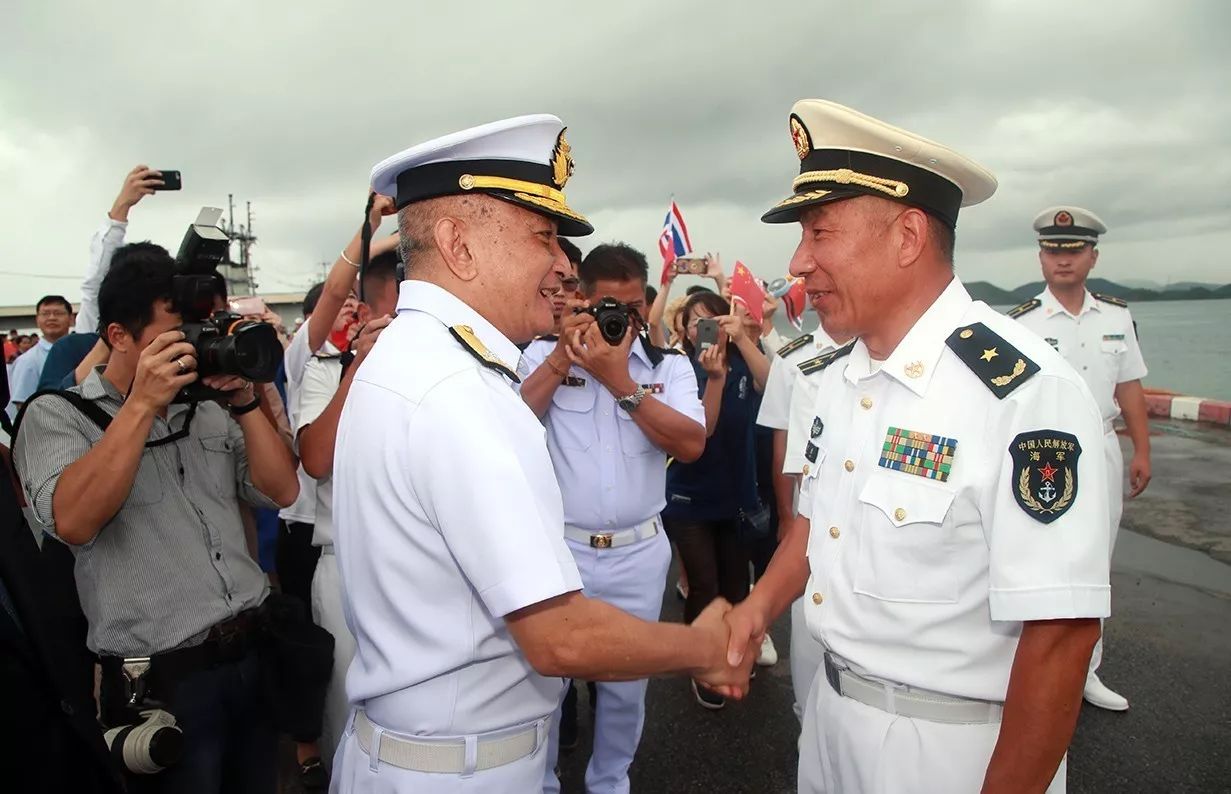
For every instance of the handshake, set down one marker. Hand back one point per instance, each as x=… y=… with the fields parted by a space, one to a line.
x=731 y=634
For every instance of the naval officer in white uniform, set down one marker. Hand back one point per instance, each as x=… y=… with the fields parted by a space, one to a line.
x=786 y=408
x=1095 y=333
x=952 y=535
x=462 y=596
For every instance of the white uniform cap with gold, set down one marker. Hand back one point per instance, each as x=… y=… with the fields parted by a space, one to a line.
x=524 y=160
x=1067 y=227
x=844 y=154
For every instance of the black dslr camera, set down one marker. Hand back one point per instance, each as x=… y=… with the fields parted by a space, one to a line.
x=613 y=318
x=226 y=344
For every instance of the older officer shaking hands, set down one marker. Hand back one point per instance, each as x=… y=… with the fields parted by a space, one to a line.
x=952 y=535
x=463 y=598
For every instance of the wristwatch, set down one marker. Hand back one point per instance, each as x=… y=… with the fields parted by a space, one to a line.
x=631 y=402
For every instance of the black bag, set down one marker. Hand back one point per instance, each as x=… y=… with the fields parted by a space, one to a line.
x=296 y=663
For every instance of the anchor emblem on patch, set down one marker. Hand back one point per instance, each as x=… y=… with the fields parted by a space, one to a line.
x=1044 y=481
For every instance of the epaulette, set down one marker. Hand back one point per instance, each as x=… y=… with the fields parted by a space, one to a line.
x=793 y=345
x=670 y=351
x=1028 y=306
x=465 y=335
x=1112 y=299
x=824 y=359
x=1000 y=366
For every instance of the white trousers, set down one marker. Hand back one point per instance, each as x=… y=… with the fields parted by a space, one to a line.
x=806 y=656
x=354 y=772
x=1115 y=508
x=327 y=613
x=849 y=748
x=630 y=578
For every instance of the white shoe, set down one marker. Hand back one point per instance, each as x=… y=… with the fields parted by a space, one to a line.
x=1097 y=694
x=769 y=654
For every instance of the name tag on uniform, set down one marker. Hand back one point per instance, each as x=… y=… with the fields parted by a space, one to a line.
x=574 y=381
x=921 y=454
x=1113 y=337
x=653 y=388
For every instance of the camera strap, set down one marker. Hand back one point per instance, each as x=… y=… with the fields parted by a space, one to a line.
x=365 y=243
x=98 y=416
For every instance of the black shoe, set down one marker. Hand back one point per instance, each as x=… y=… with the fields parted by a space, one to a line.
x=568 y=719
x=707 y=698
x=312 y=775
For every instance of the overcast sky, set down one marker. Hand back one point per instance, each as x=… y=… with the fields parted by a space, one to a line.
x=1120 y=107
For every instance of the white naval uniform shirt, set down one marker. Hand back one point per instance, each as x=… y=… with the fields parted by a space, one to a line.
x=614 y=475
x=926 y=582
x=1100 y=343
x=447 y=517
x=789 y=395
x=322 y=375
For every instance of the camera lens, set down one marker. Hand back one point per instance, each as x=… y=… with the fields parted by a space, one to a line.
x=255 y=351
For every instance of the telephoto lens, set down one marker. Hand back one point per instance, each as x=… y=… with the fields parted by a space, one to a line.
x=149 y=746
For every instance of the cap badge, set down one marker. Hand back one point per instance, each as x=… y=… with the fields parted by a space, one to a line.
x=561 y=161
x=803 y=145
x=1063 y=218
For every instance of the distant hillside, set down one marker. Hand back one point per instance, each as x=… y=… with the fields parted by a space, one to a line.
x=997 y=296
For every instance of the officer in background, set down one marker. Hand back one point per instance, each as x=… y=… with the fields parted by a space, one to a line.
x=448 y=523
x=1094 y=333
x=786 y=408
x=614 y=414
x=958 y=565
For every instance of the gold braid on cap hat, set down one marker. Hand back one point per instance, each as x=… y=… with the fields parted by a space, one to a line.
x=845 y=176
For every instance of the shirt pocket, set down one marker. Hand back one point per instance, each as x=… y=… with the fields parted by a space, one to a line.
x=906 y=552
x=219 y=461
x=633 y=440
x=573 y=425
x=1113 y=347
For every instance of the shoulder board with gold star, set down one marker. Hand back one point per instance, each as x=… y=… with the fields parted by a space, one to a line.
x=793 y=345
x=1112 y=299
x=465 y=335
x=824 y=359
x=1028 y=306
x=1000 y=366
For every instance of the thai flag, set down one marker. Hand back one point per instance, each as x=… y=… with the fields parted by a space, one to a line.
x=795 y=302
x=674 y=240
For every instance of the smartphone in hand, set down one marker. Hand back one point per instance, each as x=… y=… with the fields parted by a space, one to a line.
x=250 y=306
x=170 y=180
x=707 y=334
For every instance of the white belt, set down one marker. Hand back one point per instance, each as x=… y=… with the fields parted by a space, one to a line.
x=907 y=701
x=613 y=540
x=463 y=755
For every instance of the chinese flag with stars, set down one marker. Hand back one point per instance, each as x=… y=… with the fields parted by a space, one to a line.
x=747 y=290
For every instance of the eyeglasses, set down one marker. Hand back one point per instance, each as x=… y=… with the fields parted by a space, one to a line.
x=570 y=284
x=47 y=314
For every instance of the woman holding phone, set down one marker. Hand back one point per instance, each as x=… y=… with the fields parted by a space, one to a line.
x=709 y=499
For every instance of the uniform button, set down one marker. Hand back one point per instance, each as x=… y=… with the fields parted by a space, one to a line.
x=899 y=514
x=806 y=469
x=817 y=599
x=608 y=449
x=834 y=533
x=849 y=465
x=1085 y=368
x=66 y=707
x=866 y=403
x=181 y=471
x=217 y=555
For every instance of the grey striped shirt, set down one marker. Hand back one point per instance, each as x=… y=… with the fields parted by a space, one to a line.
x=173 y=561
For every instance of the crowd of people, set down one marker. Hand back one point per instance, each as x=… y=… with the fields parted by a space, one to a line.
x=195 y=564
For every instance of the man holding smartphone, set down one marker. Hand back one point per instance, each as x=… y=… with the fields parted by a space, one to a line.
x=614 y=414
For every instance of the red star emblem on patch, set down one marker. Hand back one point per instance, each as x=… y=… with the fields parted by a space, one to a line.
x=1049 y=474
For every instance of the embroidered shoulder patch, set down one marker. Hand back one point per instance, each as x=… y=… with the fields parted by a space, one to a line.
x=1044 y=481
x=793 y=345
x=1028 y=306
x=824 y=359
x=1000 y=366
x=1112 y=299
x=465 y=334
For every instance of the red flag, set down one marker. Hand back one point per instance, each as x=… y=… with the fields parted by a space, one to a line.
x=795 y=301
x=746 y=289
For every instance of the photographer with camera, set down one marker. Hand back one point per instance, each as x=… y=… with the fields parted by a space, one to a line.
x=615 y=408
x=145 y=490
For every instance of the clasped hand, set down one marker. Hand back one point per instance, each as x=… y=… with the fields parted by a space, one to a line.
x=723 y=675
